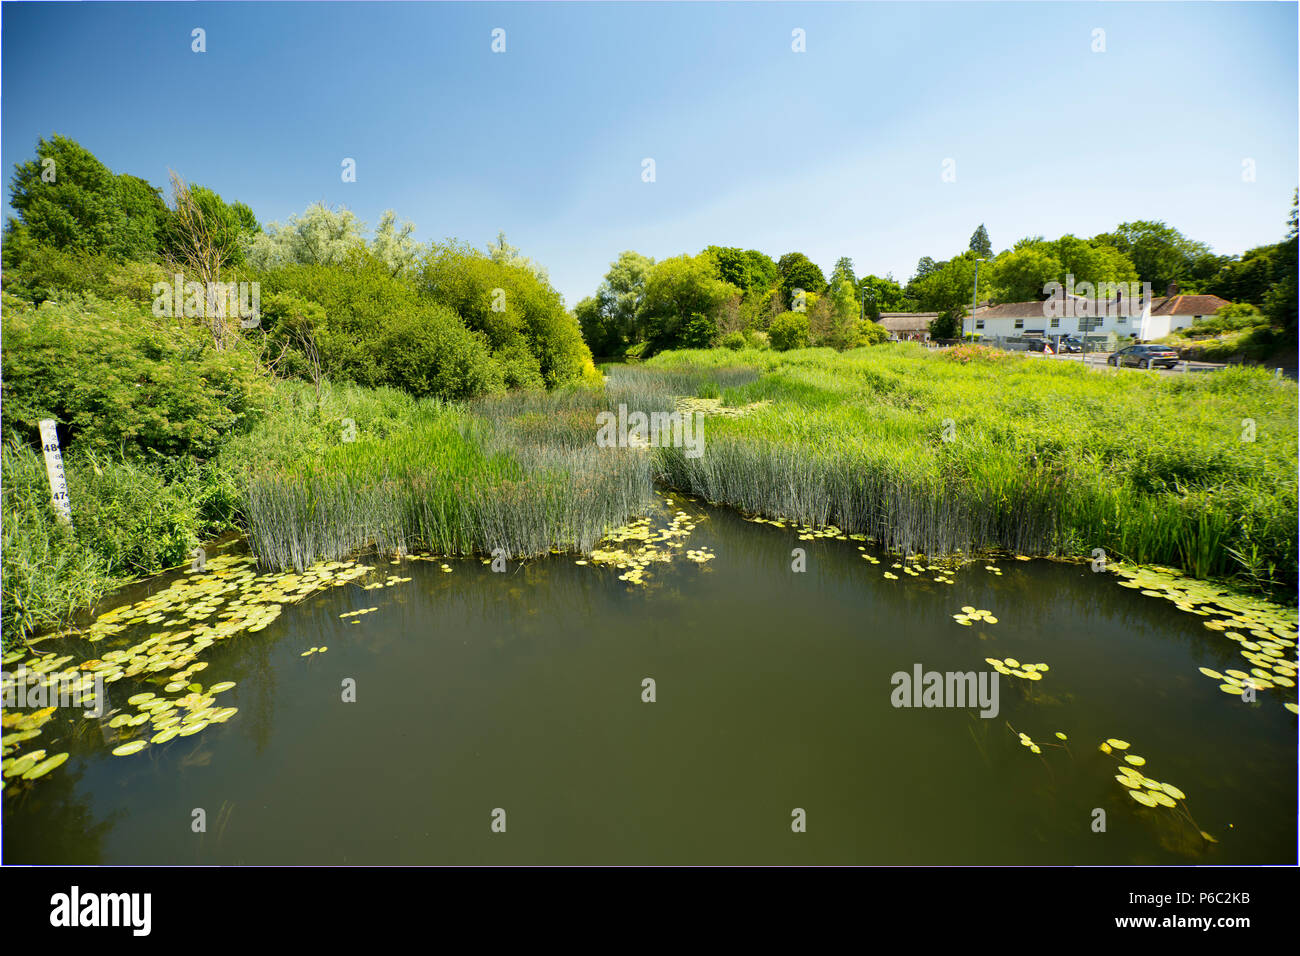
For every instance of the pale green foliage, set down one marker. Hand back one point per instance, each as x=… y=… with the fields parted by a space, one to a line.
x=394 y=245
x=505 y=254
x=320 y=236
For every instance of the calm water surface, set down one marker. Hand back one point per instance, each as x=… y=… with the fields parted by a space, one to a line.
x=522 y=691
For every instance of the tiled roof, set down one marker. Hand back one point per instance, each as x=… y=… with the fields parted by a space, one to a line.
x=1013 y=310
x=1188 y=305
x=1173 y=305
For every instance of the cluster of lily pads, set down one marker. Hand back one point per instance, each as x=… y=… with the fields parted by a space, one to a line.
x=392 y=579
x=1011 y=667
x=169 y=717
x=223 y=598
x=19 y=728
x=1145 y=789
x=969 y=615
x=651 y=544
x=714 y=406
x=357 y=613
x=1265 y=632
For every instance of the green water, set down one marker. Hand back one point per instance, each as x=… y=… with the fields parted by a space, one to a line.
x=523 y=690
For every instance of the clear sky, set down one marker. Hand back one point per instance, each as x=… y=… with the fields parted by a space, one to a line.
x=835 y=151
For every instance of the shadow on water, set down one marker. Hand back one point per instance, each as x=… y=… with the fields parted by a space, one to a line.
x=522 y=691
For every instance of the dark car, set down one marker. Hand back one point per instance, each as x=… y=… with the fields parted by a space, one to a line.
x=1145 y=356
x=1069 y=345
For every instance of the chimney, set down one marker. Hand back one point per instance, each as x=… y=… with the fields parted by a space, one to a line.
x=1172 y=290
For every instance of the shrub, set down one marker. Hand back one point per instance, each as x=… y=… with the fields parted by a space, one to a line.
x=733 y=340
x=789 y=330
x=45 y=272
x=121 y=382
x=699 y=332
x=511 y=305
x=872 y=333
x=373 y=329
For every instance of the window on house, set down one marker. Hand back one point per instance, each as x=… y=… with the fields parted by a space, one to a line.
x=1020 y=323
x=1056 y=323
x=979 y=323
x=1122 y=319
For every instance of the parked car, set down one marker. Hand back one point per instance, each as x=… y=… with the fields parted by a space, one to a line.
x=1144 y=356
x=1036 y=345
x=1070 y=345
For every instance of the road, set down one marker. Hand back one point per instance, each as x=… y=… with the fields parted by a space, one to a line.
x=1097 y=360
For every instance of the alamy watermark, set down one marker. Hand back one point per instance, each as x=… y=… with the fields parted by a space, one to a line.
x=198 y=300
x=947 y=689
x=653 y=430
x=1089 y=300
x=26 y=689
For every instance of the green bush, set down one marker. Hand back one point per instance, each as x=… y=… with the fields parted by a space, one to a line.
x=372 y=329
x=699 y=332
x=47 y=573
x=872 y=333
x=44 y=272
x=733 y=340
x=789 y=330
x=132 y=518
x=121 y=382
x=514 y=308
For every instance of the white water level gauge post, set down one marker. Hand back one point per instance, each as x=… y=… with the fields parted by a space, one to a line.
x=54 y=468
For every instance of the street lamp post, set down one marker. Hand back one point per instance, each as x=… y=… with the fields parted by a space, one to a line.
x=974 y=301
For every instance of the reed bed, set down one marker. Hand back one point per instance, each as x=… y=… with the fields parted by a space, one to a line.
x=519 y=475
x=923 y=454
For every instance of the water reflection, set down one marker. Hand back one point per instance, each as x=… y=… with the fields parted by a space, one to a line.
x=478 y=690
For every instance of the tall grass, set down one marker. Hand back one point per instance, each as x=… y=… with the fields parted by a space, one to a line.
x=1045 y=458
x=518 y=473
x=129 y=519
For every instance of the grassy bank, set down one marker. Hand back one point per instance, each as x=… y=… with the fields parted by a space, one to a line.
x=966 y=451
x=923 y=451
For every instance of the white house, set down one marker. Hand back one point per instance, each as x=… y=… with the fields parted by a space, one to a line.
x=1139 y=318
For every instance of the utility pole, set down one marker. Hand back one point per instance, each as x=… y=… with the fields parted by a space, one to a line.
x=974 y=301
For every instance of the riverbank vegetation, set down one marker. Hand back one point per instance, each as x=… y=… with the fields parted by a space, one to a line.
x=929 y=453
x=404 y=397
x=153 y=389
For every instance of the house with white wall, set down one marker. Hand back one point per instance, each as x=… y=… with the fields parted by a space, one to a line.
x=1140 y=318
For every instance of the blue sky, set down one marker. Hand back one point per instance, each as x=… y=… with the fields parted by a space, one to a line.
x=835 y=151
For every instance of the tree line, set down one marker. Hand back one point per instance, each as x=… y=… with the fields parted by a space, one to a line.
x=444 y=319
x=727 y=295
